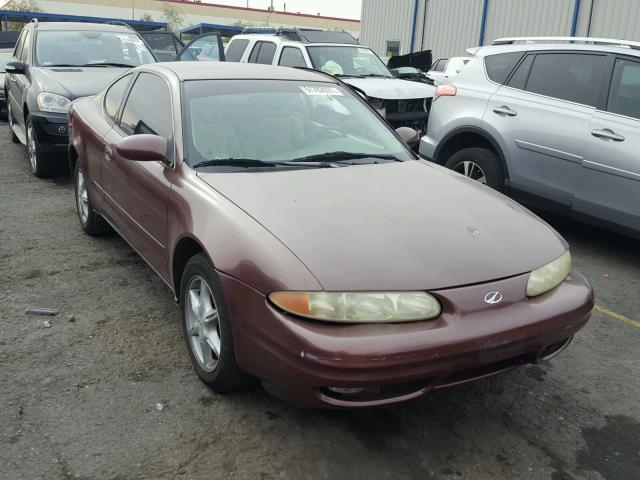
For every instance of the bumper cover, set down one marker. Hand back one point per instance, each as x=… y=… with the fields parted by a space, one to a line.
x=52 y=131
x=299 y=359
x=427 y=147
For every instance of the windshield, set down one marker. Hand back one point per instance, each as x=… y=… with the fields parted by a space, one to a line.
x=90 y=48
x=279 y=121
x=4 y=58
x=351 y=60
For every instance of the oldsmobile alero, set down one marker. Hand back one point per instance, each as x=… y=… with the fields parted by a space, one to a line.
x=306 y=244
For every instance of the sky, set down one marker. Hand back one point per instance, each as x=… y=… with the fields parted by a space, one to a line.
x=331 y=8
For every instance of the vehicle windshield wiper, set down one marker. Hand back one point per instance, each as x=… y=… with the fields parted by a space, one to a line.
x=62 y=65
x=380 y=75
x=253 y=163
x=344 y=156
x=107 y=64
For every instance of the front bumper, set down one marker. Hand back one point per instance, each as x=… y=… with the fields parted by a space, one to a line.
x=52 y=131
x=427 y=147
x=299 y=359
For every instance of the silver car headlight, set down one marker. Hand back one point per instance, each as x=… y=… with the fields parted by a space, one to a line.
x=52 y=102
x=549 y=276
x=359 y=307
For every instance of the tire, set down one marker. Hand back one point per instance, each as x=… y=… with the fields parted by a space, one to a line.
x=42 y=166
x=479 y=164
x=91 y=222
x=12 y=134
x=201 y=327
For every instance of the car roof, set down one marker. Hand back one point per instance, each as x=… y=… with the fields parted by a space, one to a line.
x=81 y=26
x=234 y=70
x=532 y=47
x=278 y=39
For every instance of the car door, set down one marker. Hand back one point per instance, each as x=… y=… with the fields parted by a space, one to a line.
x=136 y=193
x=164 y=45
x=205 y=48
x=263 y=53
x=610 y=175
x=290 y=56
x=542 y=116
x=436 y=73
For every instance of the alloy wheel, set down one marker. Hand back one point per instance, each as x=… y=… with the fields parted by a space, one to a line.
x=31 y=145
x=471 y=170
x=203 y=324
x=82 y=197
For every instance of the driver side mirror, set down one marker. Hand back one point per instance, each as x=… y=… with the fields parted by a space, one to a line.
x=409 y=136
x=15 y=67
x=143 y=148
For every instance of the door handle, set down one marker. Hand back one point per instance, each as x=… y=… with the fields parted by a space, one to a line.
x=607 y=134
x=107 y=153
x=504 y=110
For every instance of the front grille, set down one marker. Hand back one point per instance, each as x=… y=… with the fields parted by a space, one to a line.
x=405 y=106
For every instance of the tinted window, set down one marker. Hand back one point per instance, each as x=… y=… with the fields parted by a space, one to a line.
x=440 y=65
x=519 y=77
x=26 y=46
x=567 y=76
x=113 y=98
x=236 y=49
x=353 y=60
x=624 y=96
x=267 y=51
x=254 y=52
x=204 y=49
x=292 y=57
x=499 y=66
x=148 y=108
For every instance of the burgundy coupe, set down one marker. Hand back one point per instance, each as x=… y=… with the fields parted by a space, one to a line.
x=306 y=244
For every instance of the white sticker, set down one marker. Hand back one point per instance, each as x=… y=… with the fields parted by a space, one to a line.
x=322 y=91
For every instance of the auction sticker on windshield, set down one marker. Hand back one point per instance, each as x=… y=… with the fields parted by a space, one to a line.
x=321 y=91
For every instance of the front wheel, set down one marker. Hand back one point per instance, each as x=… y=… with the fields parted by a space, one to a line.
x=207 y=328
x=480 y=164
x=91 y=222
x=42 y=166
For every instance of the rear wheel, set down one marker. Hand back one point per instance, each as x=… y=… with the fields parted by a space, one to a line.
x=207 y=328
x=480 y=164
x=14 y=137
x=41 y=165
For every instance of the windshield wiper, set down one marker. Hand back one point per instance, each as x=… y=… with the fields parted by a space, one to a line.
x=253 y=163
x=106 y=64
x=344 y=156
x=377 y=75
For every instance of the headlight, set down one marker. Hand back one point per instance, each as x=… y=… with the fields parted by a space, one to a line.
x=52 y=102
x=549 y=276
x=359 y=307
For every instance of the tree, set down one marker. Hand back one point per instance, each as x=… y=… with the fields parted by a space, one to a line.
x=173 y=16
x=25 y=6
x=145 y=17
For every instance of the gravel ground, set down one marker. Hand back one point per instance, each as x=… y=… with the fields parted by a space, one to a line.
x=107 y=391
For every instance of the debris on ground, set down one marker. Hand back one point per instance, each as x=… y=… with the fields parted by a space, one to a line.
x=46 y=324
x=71 y=318
x=40 y=311
x=159 y=406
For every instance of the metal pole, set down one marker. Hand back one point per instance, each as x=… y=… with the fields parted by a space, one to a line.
x=413 y=25
x=574 y=23
x=483 y=23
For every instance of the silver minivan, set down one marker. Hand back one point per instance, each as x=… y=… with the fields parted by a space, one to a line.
x=554 y=124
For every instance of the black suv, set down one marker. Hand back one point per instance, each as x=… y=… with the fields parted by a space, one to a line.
x=53 y=64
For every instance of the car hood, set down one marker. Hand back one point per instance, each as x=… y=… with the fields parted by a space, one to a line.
x=74 y=82
x=391 y=88
x=394 y=226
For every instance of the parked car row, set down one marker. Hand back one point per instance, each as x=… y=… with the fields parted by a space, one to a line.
x=308 y=246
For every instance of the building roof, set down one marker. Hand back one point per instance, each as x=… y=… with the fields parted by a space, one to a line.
x=234 y=70
x=80 y=26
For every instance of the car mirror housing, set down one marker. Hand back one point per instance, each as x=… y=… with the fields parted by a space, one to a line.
x=15 y=67
x=143 y=148
x=409 y=136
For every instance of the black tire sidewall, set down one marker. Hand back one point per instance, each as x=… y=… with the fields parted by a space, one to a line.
x=95 y=224
x=486 y=159
x=227 y=376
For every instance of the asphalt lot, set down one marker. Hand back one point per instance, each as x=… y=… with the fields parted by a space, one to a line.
x=111 y=394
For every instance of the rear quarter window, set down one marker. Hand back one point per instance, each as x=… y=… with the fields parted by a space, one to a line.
x=500 y=66
x=236 y=50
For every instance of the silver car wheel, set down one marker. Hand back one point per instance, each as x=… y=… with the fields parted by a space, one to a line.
x=82 y=197
x=31 y=145
x=203 y=324
x=471 y=170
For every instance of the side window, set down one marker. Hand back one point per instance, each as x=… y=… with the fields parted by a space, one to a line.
x=292 y=57
x=567 y=76
x=113 y=97
x=236 y=50
x=520 y=76
x=26 y=46
x=499 y=66
x=148 y=108
x=267 y=51
x=440 y=65
x=254 y=53
x=624 y=94
x=18 y=49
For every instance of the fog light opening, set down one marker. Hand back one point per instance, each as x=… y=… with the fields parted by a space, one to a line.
x=346 y=390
